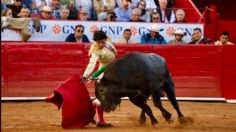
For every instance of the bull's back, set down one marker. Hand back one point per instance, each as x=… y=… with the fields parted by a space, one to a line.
x=138 y=66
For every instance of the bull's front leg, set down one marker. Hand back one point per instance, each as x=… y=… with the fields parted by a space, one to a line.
x=141 y=102
x=142 y=118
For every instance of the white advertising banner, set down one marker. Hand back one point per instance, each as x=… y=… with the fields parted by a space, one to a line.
x=59 y=30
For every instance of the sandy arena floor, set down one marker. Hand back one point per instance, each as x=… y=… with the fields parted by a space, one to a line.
x=41 y=116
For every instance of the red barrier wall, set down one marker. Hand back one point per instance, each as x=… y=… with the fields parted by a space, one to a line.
x=229 y=72
x=35 y=69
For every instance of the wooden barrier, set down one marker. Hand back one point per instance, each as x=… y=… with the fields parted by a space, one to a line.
x=229 y=73
x=35 y=69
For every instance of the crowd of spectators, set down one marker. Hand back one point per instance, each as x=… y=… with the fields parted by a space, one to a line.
x=154 y=11
x=96 y=9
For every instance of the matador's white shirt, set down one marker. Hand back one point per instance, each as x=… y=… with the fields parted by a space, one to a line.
x=103 y=56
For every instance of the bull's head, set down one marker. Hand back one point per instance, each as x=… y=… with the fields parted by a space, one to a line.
x=107 y=93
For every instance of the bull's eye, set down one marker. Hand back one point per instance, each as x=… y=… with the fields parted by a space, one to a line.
x=101 y=90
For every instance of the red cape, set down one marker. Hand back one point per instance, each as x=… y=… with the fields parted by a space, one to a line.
x=73 y=96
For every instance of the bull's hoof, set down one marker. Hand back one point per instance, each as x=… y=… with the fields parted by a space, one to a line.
x=169 y=121
x=142 y=122
x=157 y=125
x=185 y=120
x=167 y=116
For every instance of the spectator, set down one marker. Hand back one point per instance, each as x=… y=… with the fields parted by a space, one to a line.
x=135 y=17
x=55 y=7
x=6 y=12
x=64 y=13
x=180 y=16
x=24 y=12
x=126 y=37
x=88 y=6
x=133 y=3
x=21 y=24
x=179 y=34
x=224 y=39
x=83 y=16
x=153 y=37
x=78 y=36
x=198 y=38
x=27 y=3
x=123 y=13
x=155 y=18
x=46 y=13
x=150 y=6
x=166 y=14
x=15 y=7
x=37 y=5
x=73 y=15
x=170 y=3
x=145 y=14
x=102 y=7
x=111 y=16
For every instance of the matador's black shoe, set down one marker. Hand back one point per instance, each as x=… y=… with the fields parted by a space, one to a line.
x=103 y=124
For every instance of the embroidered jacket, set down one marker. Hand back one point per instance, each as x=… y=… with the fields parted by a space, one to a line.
x=103 y=56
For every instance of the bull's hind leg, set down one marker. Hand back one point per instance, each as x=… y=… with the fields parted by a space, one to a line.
x=169 y=89
x=156 y=95
x=141 y=102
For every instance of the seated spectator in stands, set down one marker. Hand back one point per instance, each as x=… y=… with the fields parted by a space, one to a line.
x=111 y=16
x=46 y=13
x=153 y=37
x=20 y=24
x=133 y=3
x=15 y=7
x=55 y=7
x=102 y=7
x=150 y=5
x=166 y=14
x=37 y=5
x=83 y=15
x=180 y=16
x=123 y=13
x=64 y=13
x=145 y=15
x=224 y=39
x=73 y=15
x=24 y=12
x=6 y=12
x=155 y=18
x=27 y=4
x=78 y=36
x=88 y=6
x=170 y=3
x=126 y=37
x=136 y=14
x=198 y=38
x=179 y=34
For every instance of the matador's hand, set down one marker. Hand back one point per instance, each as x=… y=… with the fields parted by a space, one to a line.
x=83 y=79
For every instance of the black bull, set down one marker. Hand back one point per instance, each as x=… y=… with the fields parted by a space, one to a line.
x=137 y=76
